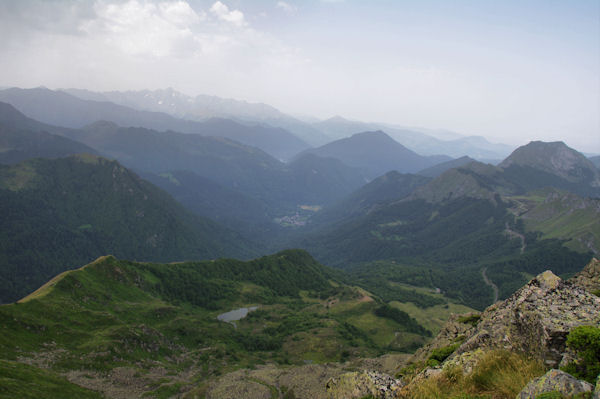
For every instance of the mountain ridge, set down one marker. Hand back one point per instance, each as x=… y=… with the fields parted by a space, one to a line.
x=375 y=152
x=203 y=107
x=68 y=210
x=62 y=109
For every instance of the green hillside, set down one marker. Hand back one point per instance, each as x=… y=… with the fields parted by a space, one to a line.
x=116 y=319
x=64 y=212
x=443 y=236
x=562 y=215
x=391 y=186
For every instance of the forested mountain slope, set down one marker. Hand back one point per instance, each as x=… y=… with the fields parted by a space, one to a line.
x=64 y=212
x=465 y=225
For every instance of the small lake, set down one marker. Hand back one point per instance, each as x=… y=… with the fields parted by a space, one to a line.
x=235 y=315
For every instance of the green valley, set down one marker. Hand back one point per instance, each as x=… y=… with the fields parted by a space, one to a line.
x=152 y=328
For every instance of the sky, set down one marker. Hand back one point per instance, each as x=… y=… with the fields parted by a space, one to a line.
x=511 y=71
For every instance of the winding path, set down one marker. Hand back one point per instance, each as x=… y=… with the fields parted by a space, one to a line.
x=489 y=282
x=513 y=233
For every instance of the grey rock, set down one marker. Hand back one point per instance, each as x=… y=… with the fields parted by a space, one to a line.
x=539 y=326
x=361 y=384
x=555 y=381
x=589 y=277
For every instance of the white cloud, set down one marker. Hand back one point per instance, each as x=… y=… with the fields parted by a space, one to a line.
x=287 y=7
x=143 y=28
x=134 y=44
x=167 y=28
x=235 y=17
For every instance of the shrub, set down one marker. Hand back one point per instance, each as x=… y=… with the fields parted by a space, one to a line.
x=585 y=341
x=441 y=354
x=470 y=319
x=550 y=395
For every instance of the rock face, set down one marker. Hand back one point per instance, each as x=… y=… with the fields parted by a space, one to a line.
x=589 y=277
x=453 y=331
x=536 y=319
x=361 y=384
x=555 y=381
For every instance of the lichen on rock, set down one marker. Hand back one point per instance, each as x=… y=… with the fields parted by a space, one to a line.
x=555 y=381
x=589 y=277
x=536 y=319
x=361 y=384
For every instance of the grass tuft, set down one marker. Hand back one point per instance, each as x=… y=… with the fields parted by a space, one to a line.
x=498 y=375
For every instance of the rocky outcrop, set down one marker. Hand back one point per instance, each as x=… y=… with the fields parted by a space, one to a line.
x=361 y=384
x=589 y=277
x=307 y=381
x=536 y=319
x=555 y=381
x=457 y=329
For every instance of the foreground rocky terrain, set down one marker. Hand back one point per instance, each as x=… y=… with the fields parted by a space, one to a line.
x=530 y=329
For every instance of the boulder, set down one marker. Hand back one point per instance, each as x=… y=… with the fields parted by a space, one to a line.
x=555 y=381
x=452 y=332
x=536 y=319
x=589 y=277
x=361 y=384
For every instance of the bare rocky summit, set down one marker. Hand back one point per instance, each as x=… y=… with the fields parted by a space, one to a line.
x=589 y=277
x=534 y=320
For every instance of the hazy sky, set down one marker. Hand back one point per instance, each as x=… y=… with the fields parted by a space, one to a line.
x=512 y=71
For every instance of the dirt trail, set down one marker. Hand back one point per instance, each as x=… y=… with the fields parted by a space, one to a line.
x=490 y=283
x=513 y=233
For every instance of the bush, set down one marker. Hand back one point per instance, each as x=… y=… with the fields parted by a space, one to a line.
x=550 y=395
x=585 y=341
x=408 y=323
x=470 y=319
x=441 y=354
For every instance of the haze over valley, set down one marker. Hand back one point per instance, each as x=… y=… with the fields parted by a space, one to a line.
x=321 y=199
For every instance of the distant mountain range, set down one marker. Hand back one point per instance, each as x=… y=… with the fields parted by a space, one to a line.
x=436 y=170
x=22 y=138
x=376 y=153
x=62 y=109
x=595 y=160
x=205 y=173
x=258 y=125
x=533 y=166
x=418 y=141
x=202 y=108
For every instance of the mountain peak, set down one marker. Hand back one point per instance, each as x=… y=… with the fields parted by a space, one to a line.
x=337 y=118
x=555 y=158
x=374 y=134
x=8 y=113
x=102 y=124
